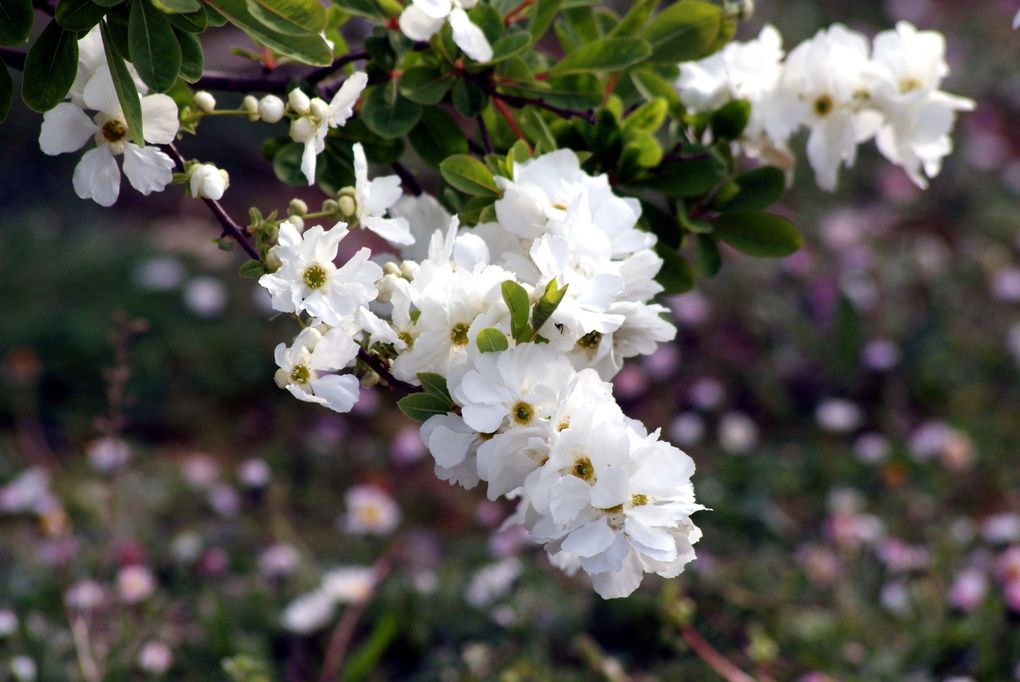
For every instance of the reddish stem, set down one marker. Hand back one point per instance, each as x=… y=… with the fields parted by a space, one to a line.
x=512 y=14
x=716 y=661
x=509 y=116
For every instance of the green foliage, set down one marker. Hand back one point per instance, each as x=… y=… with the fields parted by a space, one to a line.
x=685 y=31
x=154 y=49
x=15 y=21
x=387 y=113
x=517 y=301
x=469 y=175
x=421 y=406
x=124 y=84
x=435 y=384
x=547 y=305
x=78 y=15
x=607 y=54
x=50 y=67
x=758 y=234
x=309 y=48
x=491 y=340
x=290 y=17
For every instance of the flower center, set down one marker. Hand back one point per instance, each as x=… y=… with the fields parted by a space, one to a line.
x=114 y=131
x=909 y=85
x=314 y=276
x=638 y=500
x=523 y=413
x=823 y=105
x=583 y=469
x=590 y=341
x=459 y=334
x=300 y=374
x=406 y=338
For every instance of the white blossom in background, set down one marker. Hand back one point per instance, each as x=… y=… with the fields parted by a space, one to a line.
x=422 y=19
x=309 y=612
x=155 y=657
x=316 y=117
x=370 y=511
x=373 y=198
x=67 y=128
x=349 y=584
x=135 y=584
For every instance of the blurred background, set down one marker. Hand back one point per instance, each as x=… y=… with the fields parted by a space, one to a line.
x=854 y=412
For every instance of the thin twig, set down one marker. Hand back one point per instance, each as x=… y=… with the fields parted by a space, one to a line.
x=340 y=640
x=218 y=80
x=503 y=109
x=380 y=368
x=80 y=634
x=407 y=178
x=518 y=101
x=230 y=227
x=486 y=142
x=716 y=661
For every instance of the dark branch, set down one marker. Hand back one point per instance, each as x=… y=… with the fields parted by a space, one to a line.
x=379 y=367
x=216 y=80
x=517 y=101
x=13 y=58
x=325 y=72
x=407 y=178
x=230 y=227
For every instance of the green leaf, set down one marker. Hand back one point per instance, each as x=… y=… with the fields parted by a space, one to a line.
x=309 y=49
x=606 y=54
x=361 y=8
x=108 y=3
x=517 y=301
x=192 y=59
x=510 y=45
x=707 y=258
x=469 y=175
x=195 y=22
x=6 y=91
x=78 y=15
x=252 y=269
x=491 y=340
x=435 y=384
x=648 y=117
x=468 y=99
x=287 y=165
x=177 y=6
x=685 y=31
x=686 y=178
x=124 y=84
x=650 y=84
x=542 y=17
x=758 y=234
x=290 y=17
x=729 y=121
x=758 y=189
x=437 y=136
x=15 y=21
x=155 y=53
x=676 y=275
x=388 y=114
x=425 y=84
x=547 y=305
x=421 y=406
x=635 y=19
x=50 y=68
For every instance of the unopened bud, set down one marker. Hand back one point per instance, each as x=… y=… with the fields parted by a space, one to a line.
x=298 y=223
x=408 y=269
x=205 y=101
x=302 y=130
x=347 y=192
x=297 y=207
x=271 y=108
x=318 y=108
x=330 y=207
x=347 y=206
x=272 y=261
x=250 y=106
x=298 y=101
x=369 y=379
x=390 y=268
x=282 y=378
x=208 y=182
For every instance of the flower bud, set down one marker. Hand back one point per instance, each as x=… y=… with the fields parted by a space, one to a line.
x=272 y=261
x=208 y=182
x=347 y=206
x=297 y=207
x=297 y=222
x=390 y=268
x=205 y=101
x=298 y=101
x=330 y=206
x=302 y=130
x=408 y=269
x=271 y=108
x=282 y=378
x=250 y=106
x=318 y=108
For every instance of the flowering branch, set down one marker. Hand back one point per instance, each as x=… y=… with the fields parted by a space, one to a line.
x=379 y=367
x=216 y=80
x=230 y=227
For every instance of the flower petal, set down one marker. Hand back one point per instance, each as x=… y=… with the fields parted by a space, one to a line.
x=159 y=119
x=417 y=25
x=65 y=128
x=469 y=37
x=148 y=170
x=97 y=176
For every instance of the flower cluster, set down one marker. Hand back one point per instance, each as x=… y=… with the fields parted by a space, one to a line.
x=529 y=408
x=840 y=88
x=67 y=128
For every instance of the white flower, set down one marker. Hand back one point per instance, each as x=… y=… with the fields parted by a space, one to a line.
x=135 y=583
x=349 y=584
x=206 y=181
x=422 y=19
x=370 y=511
x=374 y=198
x=424 y=214
x=454 y=446
x=309 y=612
x=493 y=582
x=303 y=368
x=66 y=128
x=317 y=117
x=308 y=280
x=23 y=669
x=155 y=657
x=824 y=86
x=919 y=116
